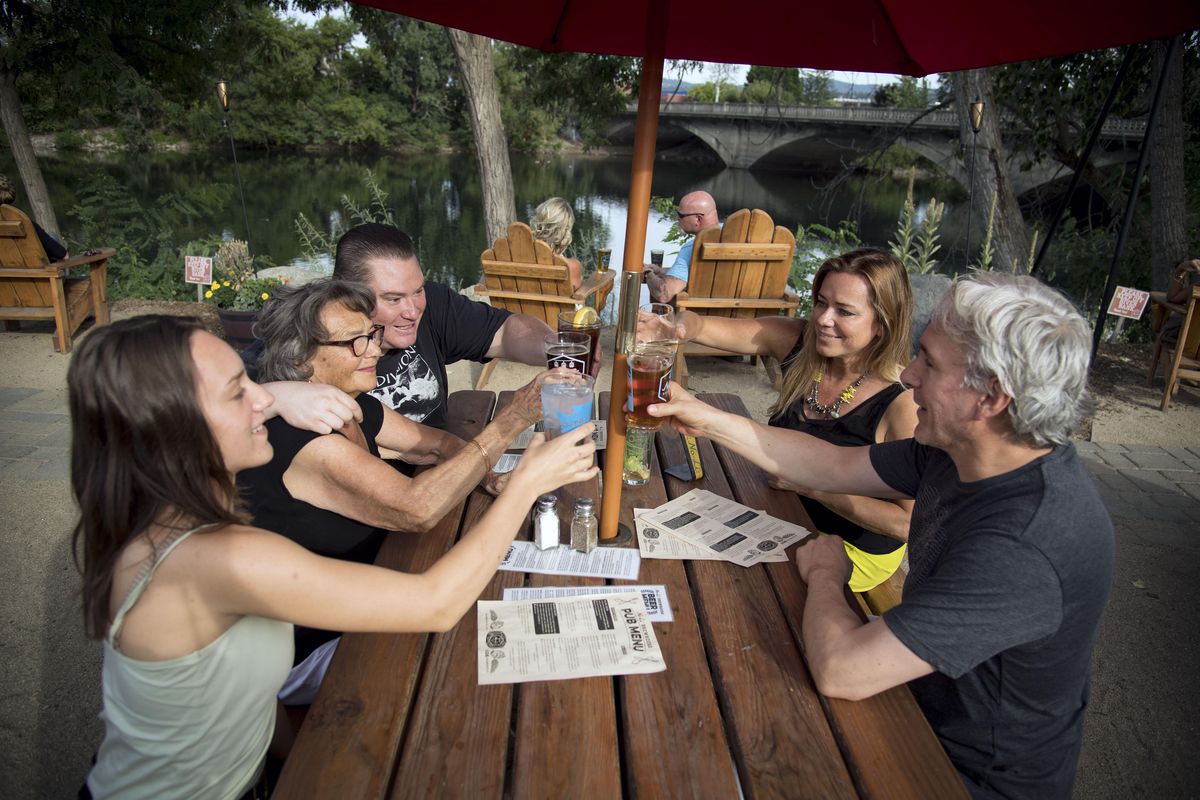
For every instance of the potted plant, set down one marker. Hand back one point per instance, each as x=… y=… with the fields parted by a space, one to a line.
x=237 y=292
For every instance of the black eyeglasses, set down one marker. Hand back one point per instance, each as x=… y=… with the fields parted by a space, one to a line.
x=359 y=344
x=682 y=215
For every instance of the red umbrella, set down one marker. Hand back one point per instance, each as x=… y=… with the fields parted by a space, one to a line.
x=913 y=37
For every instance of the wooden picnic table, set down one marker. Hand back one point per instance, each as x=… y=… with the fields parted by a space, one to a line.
x=736 y=710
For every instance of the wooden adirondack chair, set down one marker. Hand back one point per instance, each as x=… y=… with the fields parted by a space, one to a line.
x=522 y=275
x=739 y=269
x=1184 y=353
x=33 y=288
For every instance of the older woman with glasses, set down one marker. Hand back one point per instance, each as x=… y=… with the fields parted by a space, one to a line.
x=333 y=493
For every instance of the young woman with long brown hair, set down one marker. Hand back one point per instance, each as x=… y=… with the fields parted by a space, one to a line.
x=196 y=607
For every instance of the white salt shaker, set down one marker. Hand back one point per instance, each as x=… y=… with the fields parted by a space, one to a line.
x=545 y=523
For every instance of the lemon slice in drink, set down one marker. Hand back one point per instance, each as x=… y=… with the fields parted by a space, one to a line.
x=585 y=315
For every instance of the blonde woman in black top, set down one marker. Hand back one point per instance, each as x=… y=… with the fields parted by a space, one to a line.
x=841 y=383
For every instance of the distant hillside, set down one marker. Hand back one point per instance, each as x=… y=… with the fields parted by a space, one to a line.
x=678 y=86
x=847 y=89
x=839 y=88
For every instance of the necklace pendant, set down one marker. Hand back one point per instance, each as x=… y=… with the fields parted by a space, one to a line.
x=833 y=414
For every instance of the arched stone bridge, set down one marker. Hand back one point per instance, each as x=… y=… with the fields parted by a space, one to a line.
x=744 y=135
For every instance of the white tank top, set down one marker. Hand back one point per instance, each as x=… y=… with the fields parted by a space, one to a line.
x=197 y=726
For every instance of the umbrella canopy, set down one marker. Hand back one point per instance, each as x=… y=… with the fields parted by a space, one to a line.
x=912 y=37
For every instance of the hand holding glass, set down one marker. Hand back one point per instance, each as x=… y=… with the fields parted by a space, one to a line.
x=656 y=323
x=566 y=401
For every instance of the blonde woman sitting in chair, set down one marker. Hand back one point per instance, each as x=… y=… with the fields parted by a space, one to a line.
x=841 y=383
x=553 y=222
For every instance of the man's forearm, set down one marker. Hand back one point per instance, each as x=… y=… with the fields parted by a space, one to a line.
x=521 y=338
x=828 y=623
x=663 y=287
x=793 y=455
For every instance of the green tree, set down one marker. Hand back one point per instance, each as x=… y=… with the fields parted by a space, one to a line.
x=578 y=92
x=905 y=93
x=815 y=88
x=788 y=86
x=87 y=48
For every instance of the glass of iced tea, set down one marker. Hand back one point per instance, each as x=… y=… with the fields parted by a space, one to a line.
x=650 y=366
x=583 y=320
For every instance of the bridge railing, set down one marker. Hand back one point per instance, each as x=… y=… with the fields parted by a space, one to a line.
x=863 y=115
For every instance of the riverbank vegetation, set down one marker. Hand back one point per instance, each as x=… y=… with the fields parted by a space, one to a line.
x=364 y=79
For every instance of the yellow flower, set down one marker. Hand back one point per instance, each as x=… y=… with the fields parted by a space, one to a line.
x=216 y=285
x=208 y=294
x=225 y=283
x=265 y=295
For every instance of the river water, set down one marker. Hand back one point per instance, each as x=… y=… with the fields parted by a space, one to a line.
x=437 y=200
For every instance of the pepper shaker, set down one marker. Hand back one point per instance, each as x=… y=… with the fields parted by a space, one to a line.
x=584 y=527
x=545 y=523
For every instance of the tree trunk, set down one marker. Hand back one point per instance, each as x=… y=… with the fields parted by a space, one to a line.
x=1168 y=201
x=22 y=150
x=1010 y=237
x=474 y=54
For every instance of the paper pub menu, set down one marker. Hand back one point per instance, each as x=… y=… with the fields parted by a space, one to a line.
x=568 y=637
x=729 y=529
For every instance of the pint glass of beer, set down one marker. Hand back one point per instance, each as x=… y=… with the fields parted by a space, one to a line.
x=650 y=366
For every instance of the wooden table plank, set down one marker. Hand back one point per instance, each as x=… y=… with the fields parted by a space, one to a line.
x=889 y=747
x=349 y=742
x=565 y=732
x=457 y=745
x=671 y=727
x=781 y=739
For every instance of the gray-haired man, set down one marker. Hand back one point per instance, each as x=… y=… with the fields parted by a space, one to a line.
x=1010 y=547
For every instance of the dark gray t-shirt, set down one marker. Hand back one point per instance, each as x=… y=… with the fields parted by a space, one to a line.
x=1008 y=579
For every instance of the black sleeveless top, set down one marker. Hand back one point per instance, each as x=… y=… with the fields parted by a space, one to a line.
x=325 y=533
x=855 y=428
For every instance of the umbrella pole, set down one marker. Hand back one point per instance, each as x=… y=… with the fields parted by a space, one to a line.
x=645 y=138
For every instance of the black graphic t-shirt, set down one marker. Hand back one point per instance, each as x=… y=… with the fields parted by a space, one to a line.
x=413 y=381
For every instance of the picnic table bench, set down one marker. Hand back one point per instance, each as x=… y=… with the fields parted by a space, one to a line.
x=735 y=713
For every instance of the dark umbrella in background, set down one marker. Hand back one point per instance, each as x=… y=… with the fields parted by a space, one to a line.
x=910 y=37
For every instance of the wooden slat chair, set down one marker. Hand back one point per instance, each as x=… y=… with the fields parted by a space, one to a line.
x=522 y=275
x=739 y=269
x=33 y=288
x=1184 y=354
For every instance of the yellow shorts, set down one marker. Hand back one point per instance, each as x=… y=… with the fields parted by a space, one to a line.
x=871 y=569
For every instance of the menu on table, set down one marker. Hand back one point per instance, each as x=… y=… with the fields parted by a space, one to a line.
x=738 y=533
x=622 y=563
x=656 y=542
x=570 y=637
x=655 y=596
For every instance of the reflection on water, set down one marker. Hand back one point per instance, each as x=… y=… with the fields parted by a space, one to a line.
x=437 y=199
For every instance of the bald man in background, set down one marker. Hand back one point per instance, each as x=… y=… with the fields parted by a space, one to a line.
x=696 y=211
